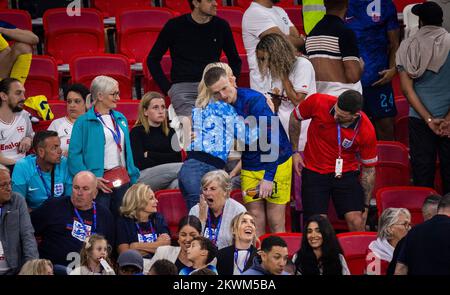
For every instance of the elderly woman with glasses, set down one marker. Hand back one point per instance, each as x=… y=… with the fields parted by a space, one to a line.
x=100 y=143
x=393 y=225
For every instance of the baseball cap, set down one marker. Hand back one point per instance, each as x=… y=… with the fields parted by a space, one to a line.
x=430 y=13
x=131 y=257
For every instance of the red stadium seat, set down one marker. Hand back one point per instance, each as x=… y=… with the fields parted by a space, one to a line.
x=112 y=7
x=293 y=241
x=43 y=77
x=84 y=68
x=354 y=245
x=19 y=18
x=295 y=15
x=3 y=3
x=400 y=4
x=67 y=36
x=130 y=109
x=409 y=197
x=149 y=83
x=234 y=17
x=138 y=29
x=179 y=6
x=244 y=78
x=393 y=165
x=401 y=130
x=338 y=224
x=396 y=86
x=173 y=207
x=402 y=106
x=58 y=107
x=41 y=125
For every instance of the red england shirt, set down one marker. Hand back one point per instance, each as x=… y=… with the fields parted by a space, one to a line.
x=322 y=148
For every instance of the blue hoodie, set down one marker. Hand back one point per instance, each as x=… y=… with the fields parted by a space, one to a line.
x=258 y=270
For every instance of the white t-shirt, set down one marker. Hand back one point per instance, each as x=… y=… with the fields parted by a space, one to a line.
x=12 y=133
x=258 y=19
x=64 y=129
x=303 y=78
x=111 y=158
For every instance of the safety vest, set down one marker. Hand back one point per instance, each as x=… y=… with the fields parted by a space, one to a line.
x=313 y=12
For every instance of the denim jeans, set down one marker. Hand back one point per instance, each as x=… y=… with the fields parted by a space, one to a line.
x=189 y=180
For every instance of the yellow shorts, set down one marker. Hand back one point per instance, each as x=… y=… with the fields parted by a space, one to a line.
x=281 y=190
x=3 y=43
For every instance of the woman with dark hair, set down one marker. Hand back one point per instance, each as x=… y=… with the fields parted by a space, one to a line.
x=76 y=106
x=320 y=252
x=189 y=227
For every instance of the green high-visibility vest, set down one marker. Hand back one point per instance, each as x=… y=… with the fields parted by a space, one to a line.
x=313 y=12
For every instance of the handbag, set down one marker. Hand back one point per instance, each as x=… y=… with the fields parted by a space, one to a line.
x=117 y=177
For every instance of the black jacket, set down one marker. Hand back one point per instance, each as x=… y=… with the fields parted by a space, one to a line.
x=225 y=260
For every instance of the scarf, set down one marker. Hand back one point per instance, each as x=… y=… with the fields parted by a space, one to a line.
x=382 y=249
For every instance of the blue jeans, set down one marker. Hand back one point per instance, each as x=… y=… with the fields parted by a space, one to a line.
x=189 y=180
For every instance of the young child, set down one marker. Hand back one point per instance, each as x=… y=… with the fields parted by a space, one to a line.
x=201 y=253
x=94 y=258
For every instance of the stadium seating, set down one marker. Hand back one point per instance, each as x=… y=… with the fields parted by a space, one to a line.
x=84 y=68
x=58 y=107
x=295 y=15
x=149 y=83
x=138 y=29
x=234 y=17
x=110 y=8
x=401 y=130
x=173 y=207
x=19 y=18
x=3 y=3
x=409 y=197
x=293 y=241
x=130 y=109
x=354 y=245
x=244 y=77
x=338 y=224
x=43 y=77
x=179 y=6
x=67 y=36
x=401 y=4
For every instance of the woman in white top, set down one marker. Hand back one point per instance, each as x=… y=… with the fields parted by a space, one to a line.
x=76 y=106
x=320 y=252
x=287 y=78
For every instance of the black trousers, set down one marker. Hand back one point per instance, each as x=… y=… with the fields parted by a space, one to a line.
x=425 y=146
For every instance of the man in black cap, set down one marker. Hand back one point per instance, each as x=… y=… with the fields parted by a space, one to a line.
x=130 y=263
x=423 y=63
x=445 y=5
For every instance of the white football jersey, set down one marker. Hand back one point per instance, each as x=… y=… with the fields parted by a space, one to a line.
x=11 y=135
x=64 y=129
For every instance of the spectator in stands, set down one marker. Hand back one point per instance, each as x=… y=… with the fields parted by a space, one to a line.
x=424 y=69
x=262 y=17
x=16 y=133
x=341 y=137
x=272 y=258
x=237 y=258
x=76 y=106
x=102 y=126
x=425 y=249
x=189 y=227
x=216 y=209
x=377 y=35
x=17 y=242
x=37 y=267
x=429 y=207
x=193 y=40
x=130 y=263
x=204 y=272
x=94 y=257
x=163 y=267
x=64 y=223
x=291 y=78
x=44 y=175
x=154 y=144
x=202 y=254
x=320 y=252
x=265 y=169
x=141 y=227
x=333 y=51
x=393 y=225
x=207 y=153
x=15 y=60
x=445 y=5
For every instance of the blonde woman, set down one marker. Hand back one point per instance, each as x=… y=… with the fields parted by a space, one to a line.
x=140 y=227
x=237 y=258
x=156 y=151
x=100 y=143
x=37 y=267
x=216 y=209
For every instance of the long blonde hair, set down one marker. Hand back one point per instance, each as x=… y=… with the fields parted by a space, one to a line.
x=35 y=267
x=143 y=106
x=204 y=95
x=135 y=199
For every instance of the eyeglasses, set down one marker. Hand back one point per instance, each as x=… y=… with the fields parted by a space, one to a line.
x=115 y=94
x=406 y=225
x=5 y=185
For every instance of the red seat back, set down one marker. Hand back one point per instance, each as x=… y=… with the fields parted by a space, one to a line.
x=409 y=197
x=354 y=245
x=401 y=130
x=293 y=241
x=130 y=109
x=67 y=36
x=233 y=15
x=400 y=4
x=84 y=68
x=295 y=15
x=179 y=6
x=19 y=18
x=136 y=25
x=149 y=83
x=43 y=77
x=112 y=7
x=173 y=207
x=58 y=107
x=3 y=3
x=244 y=77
